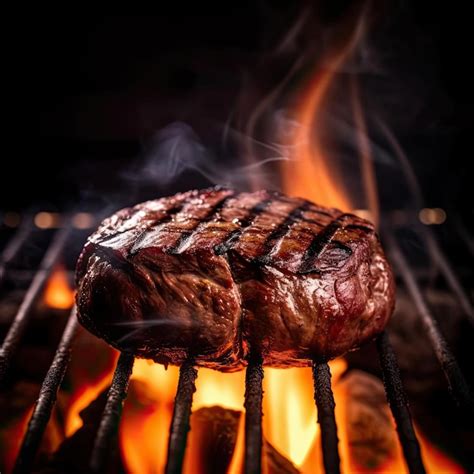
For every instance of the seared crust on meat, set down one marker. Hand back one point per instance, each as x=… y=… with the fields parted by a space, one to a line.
x=216 y=274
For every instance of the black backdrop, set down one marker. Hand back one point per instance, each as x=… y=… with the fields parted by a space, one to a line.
x=84 y=89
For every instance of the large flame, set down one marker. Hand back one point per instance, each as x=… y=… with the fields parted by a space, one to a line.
x=311 y=171
x=290 y=416
x=82 y=399
x=90 y=373
x=308 y=173
x=290 y=411
x=289 y=421
x=289 y=408
x=146 y=417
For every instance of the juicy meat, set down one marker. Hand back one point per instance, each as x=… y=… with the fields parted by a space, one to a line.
x=216 y=275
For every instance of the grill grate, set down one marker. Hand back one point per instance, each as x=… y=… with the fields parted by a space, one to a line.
x=14 y=245
x=47 y=397
x=112 y=411
x=324 y=398
x=457 y=383
x=181 y=414
x=325 y=403
x=398 y=403
x=20 y=321
x=253 y=415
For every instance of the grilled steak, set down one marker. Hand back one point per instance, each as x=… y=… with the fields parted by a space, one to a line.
x=217 y=275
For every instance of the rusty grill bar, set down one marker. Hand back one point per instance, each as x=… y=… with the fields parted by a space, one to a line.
x=324 y=398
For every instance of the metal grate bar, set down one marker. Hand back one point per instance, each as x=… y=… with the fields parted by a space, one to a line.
x=399 y=405
x=449 y=275
x=180 y=424
x=47 y=398
x=458 y=386
x=253 y=417
x=325 y=403
x=14 y=245
x=181 y=414
x=20 y=321
x=109 y=423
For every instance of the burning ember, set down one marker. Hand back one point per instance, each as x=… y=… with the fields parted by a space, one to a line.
x=289 y=421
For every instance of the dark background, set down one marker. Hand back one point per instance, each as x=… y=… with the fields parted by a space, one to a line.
x=84 y=90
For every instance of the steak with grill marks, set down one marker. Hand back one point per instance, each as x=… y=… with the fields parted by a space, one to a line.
x=215 y=275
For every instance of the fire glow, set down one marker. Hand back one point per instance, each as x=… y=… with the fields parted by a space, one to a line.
x=58 y=293
x=289 y=422
x=289 y=412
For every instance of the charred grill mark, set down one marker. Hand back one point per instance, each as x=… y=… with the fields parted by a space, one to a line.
x=234 y=236
x=310 y=221
x=342 y=246
x=200 y=223
x=158 y=223
x=114 y=233
x=105 y=237
x=316 y=247
x=362 y=228
x=319 y=211
x=279 y=233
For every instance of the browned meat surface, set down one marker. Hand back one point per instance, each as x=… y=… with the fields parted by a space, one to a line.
x=216 y=275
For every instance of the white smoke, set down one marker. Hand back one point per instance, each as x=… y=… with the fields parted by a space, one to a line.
x=176 y=149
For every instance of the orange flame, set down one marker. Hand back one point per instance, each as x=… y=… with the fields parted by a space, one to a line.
x=307 y=174
x=58 y=293
x=82 y=399
x=91 y=373
x=289 y=422
x=11 y=440
x=147 y=416
x=290 y=411
x=237 y=462
x=434 y=460
x=310 y=172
